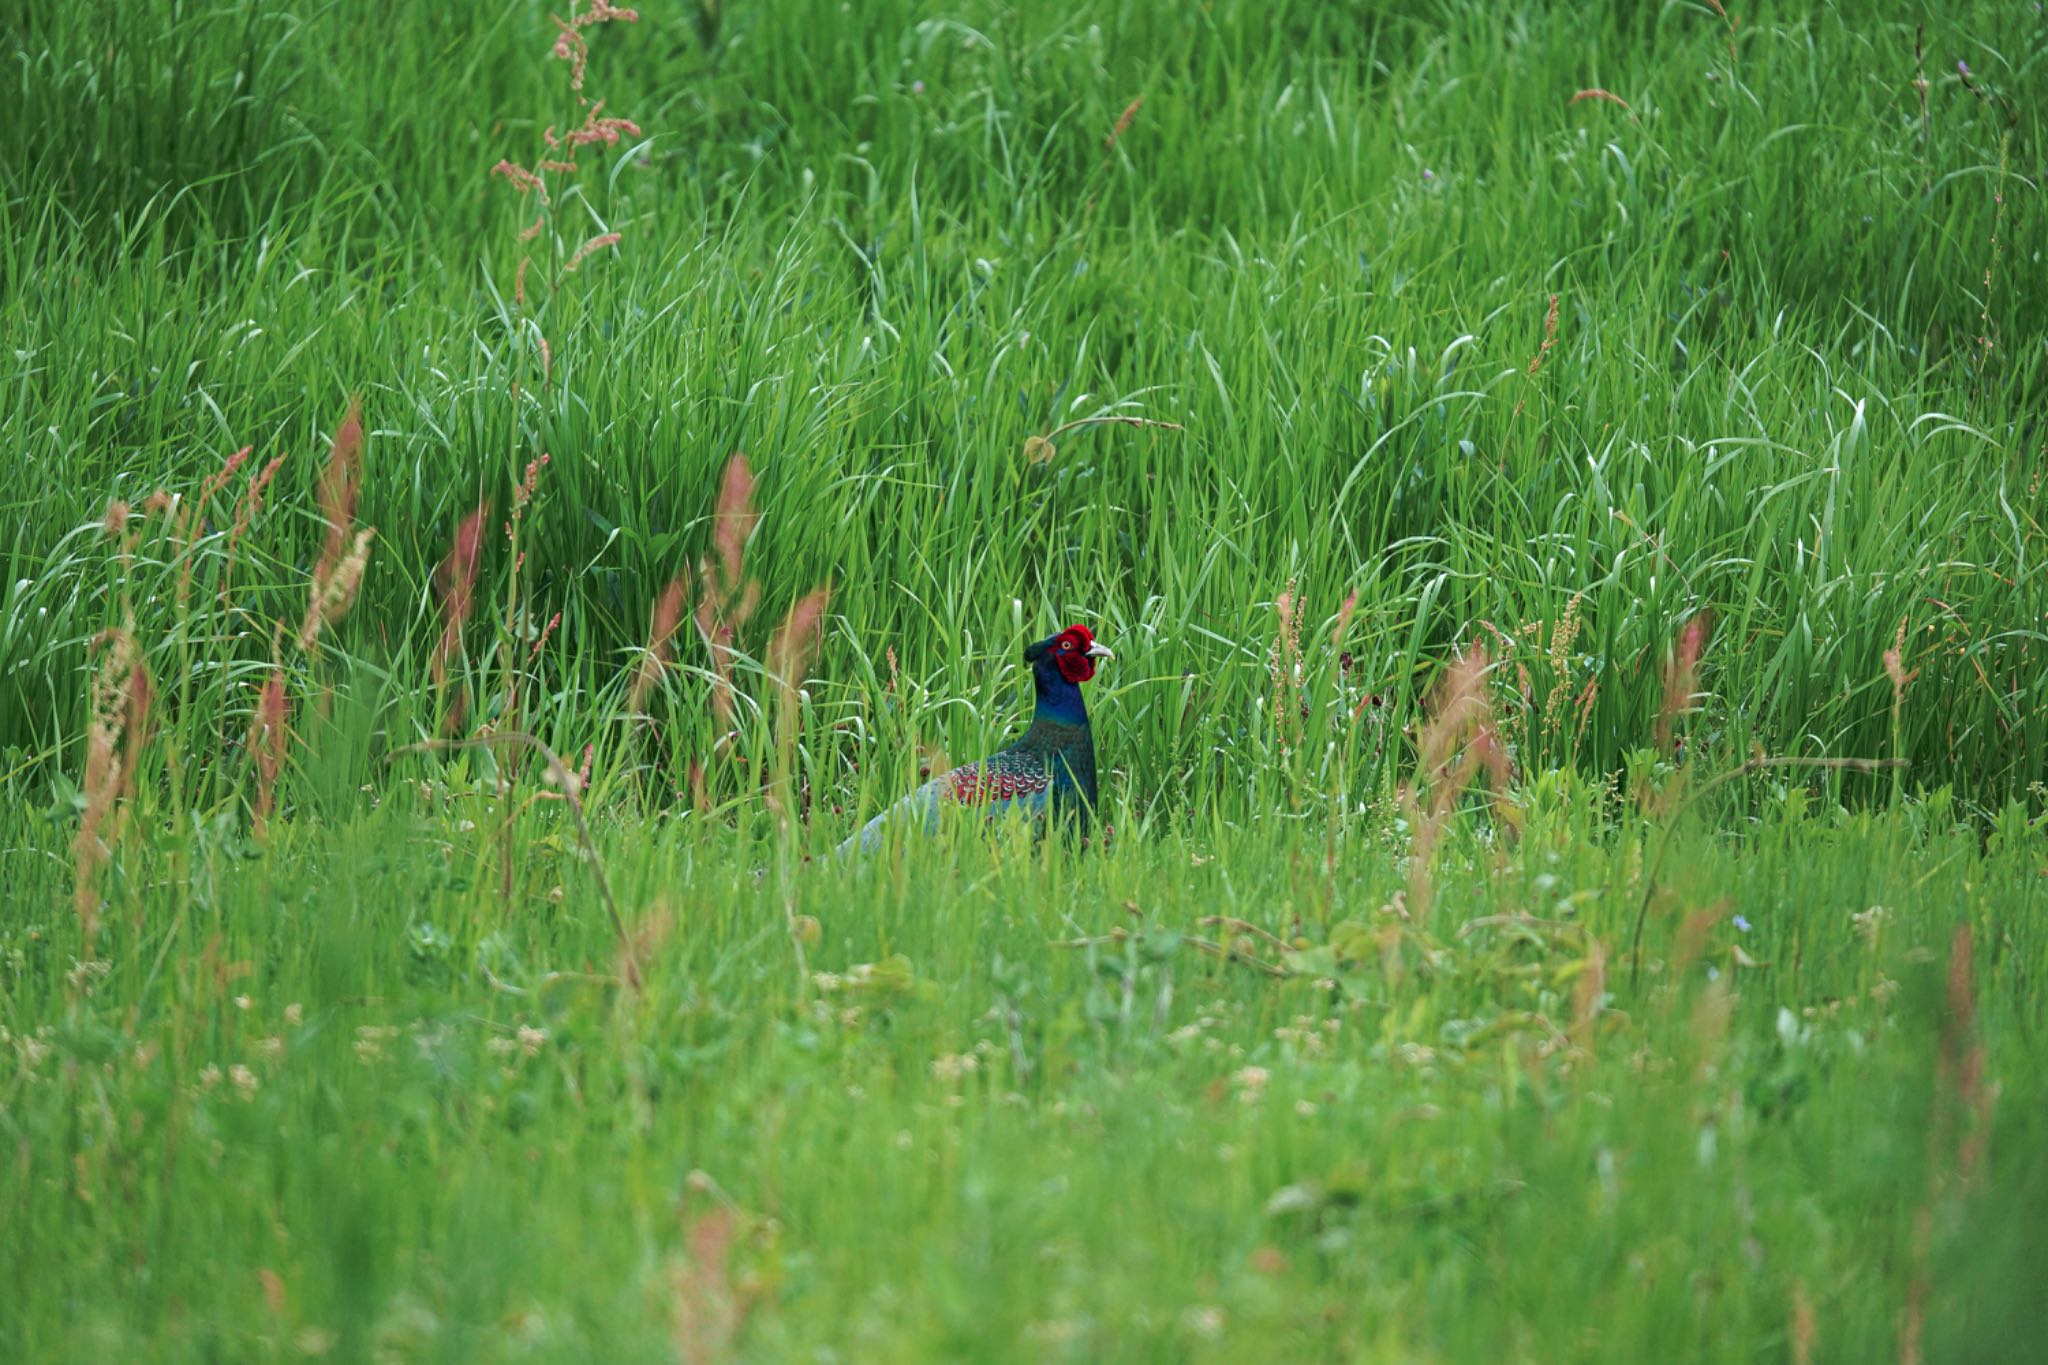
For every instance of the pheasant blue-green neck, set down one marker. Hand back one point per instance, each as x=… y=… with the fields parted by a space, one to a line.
x=1055 y=699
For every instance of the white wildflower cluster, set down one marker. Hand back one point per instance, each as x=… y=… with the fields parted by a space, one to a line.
x=1307 y=1035
x=32 y=1048
x=1869 y=922
x=1199 y=1029
x=83 y=976
x=371 y=1038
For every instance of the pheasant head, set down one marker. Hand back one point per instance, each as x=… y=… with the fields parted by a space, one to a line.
x=1071 y=655
x=1059 y=665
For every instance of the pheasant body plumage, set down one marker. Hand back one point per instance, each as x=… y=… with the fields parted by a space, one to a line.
x=1050 y=769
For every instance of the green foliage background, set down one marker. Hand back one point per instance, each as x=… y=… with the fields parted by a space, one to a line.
x=1611 y=1078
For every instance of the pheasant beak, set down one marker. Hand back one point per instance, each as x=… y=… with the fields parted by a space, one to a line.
x=1099 y=651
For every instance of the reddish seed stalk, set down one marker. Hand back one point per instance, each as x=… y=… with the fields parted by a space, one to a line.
x=117 y=728
x=790 y=652
x=1123 y=123
x=344 y=553
x=268 y=737
x=726 y=599
x=1543 y=349
x=245 y=516
x=661 y=629
x=597 y=243
x=340 y=484
x=455 y=583
x=1681 y=675
x=1283 y=667
x=1596 y=93
x=1344 y=615
x=1457 y=742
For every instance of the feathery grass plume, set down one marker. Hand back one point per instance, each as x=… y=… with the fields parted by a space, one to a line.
x=340 y=485
x=570 y=46
x=1563 y=636
x=1549 y=340
x=455 y=585
x=193 y=518
x=597 y=243
x=1283 y=666
x=1681 y=675
x=736 y=517
x=1895 y=669
x=1457 y=741
x=1123 y=123
x=707 y=1308
x=215 y=482
x=339 y=570
x=1345 y=612
x=333 y=597
x=1549 y=337
x=1514 y=726
x=725 y=596
x=1895 y=666
x=521 y=179
x=661 y=629
x=790 y=651
x=268 y=736
x=1591 y=93
x=246 y=511
x=1728 y=19
x=547 y=632
x=595 y=130
x=117 y=728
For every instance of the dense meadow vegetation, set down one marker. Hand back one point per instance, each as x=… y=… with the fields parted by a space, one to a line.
x=490 y=496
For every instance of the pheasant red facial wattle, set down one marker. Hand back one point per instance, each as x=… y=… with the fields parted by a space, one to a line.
x=1075 y=652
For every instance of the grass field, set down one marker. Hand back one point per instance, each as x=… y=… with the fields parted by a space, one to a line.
x=1566 y=487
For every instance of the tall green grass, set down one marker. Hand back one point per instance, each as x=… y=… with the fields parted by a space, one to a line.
x=879 y=255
